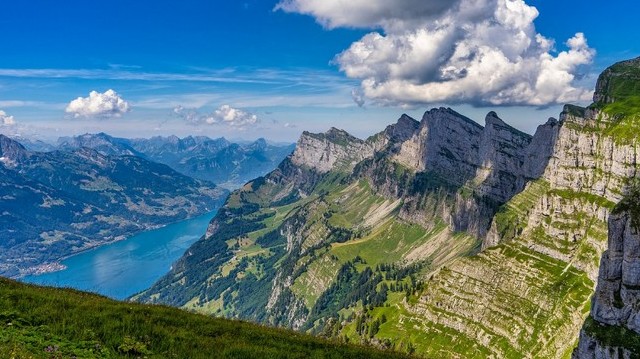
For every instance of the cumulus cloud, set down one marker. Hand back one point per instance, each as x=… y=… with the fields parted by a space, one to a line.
x=98 y=105
x=6 y=120
x=223 y=115
x=477 y=51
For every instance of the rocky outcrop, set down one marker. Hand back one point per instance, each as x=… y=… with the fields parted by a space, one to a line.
x=480 y=167
x=618 y=292
x=591 y=348
x=501 y=172
x=333 y=150
x=613 y=83
x=616 y=303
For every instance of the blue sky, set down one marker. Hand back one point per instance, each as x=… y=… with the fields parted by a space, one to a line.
x=241 y=69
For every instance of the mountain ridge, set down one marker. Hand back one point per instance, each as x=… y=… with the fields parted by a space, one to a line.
x=217 y=160
x=290 y=220
x=58 y=203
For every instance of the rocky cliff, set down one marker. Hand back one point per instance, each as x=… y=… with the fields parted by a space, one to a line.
x=438 y=236
x=541 y=254
x=335 y=149
x=613 y=328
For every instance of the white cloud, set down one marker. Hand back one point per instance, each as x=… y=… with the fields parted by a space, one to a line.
x=475 y=51
x=6 y=120
x=366 y=13
x=99 y=105
x=358 y=97
x=223 y=115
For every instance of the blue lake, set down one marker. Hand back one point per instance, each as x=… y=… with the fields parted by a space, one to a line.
x=123 y=268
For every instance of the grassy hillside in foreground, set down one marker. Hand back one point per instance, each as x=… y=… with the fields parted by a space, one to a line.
x=40 y=322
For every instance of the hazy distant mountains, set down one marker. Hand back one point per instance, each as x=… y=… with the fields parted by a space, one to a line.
x=218 y=160
x=84 y=191
x=53 y=204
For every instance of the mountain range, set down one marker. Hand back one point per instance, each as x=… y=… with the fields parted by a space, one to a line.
x=227 y=164
x=55 y=204
x=440 y=236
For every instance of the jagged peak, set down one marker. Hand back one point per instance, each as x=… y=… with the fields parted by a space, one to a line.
x=450 y=114
x=86 y=137
x=101 y=134
x=552 y=121
x=10 y=149
x=334 y=135
x=333 y=131
x=403 y=129
x=572 y=110
x=492 y=120
x=259 y=144
x=407 y=120
x=176 y=139
x=6 y=139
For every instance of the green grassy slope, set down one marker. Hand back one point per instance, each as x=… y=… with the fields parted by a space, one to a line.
x=368 y=256
x=39 y=322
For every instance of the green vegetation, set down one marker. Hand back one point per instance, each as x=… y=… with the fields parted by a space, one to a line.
x=631 y=203
x=621 y=81
x=38 y=322
x=619 y=92
x=512 y=217
x=583 y=196
x=613 y=336
x=370 y=256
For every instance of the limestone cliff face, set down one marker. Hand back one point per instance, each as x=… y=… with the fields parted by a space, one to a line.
x=335 y=149
x=539 y=204
x=615 y=305
x=586 y=174
x=545 y=243
x=482 y=167
x=502 y=156
x=618 y=292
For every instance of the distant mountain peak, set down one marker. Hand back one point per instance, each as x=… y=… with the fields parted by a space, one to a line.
x=11 y=151
x=101 y=142
x=260 y=143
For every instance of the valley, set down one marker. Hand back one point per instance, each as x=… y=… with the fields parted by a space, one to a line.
x=320 y=179
x=121 y=269
x=440 y=237
x=92 y=190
